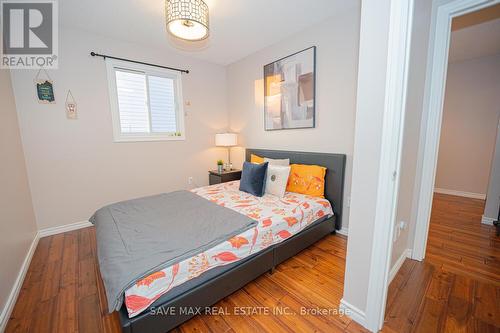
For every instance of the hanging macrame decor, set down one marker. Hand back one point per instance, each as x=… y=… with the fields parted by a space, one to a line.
x=70 y=106
x=44 y=88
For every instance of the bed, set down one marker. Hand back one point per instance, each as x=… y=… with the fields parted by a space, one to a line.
x=217 y=281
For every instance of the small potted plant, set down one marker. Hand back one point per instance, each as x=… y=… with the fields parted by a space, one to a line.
x=220 y=166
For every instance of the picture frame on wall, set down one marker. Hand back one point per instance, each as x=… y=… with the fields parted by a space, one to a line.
x=44 y=87
x=45 y=92
x=290 y=91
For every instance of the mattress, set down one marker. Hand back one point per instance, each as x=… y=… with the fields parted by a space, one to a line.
x=278 y=219
x=210 y=274
x=134 y=237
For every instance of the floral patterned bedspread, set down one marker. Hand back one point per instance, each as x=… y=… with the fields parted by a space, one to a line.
x=279 y=219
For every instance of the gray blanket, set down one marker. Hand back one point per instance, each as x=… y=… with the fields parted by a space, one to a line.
x=138 y=237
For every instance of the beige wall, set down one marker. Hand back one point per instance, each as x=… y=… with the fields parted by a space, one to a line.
x=336 y=69
x=470 y=118
x=414 y=107
x=17 y=221
x=73 y=165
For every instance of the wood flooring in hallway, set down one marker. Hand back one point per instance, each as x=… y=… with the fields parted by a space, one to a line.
x=457 y=287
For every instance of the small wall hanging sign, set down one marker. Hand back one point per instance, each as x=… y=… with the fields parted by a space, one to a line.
x=70 y=106
x=44 y=88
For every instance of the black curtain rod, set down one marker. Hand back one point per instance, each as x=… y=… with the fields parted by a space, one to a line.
x=138 y=62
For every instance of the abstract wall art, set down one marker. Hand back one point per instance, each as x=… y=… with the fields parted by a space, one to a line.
x=289 y=91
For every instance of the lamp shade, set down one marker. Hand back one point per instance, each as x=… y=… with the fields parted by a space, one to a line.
x=226 y=139
x=187 y=19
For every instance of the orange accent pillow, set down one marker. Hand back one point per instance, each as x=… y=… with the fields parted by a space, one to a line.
x=307 y=179
x=256 y=159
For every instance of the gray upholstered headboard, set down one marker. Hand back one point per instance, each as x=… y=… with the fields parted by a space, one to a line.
x=334 y=180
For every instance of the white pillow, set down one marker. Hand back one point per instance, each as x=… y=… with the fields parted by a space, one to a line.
x=276 y=179
x=274 y=161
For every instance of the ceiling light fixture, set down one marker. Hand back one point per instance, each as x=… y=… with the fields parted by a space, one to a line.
x=187 y=19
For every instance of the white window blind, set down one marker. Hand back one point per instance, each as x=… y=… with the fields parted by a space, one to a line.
x=132 y=102
x=145 y=104
x=162 y=104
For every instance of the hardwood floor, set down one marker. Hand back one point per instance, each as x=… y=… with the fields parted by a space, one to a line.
x=63 y=292
x=457 y=287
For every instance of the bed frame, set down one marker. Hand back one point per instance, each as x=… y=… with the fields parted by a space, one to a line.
x=240 y=273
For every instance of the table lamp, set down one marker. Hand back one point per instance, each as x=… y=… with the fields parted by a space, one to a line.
x=226 y=140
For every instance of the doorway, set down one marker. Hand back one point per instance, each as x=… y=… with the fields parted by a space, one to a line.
x=428 y=170
x=455 y=287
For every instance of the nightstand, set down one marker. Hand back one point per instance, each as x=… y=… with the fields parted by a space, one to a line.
x=226 y=176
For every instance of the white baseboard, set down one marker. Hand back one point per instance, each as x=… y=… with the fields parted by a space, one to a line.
x=64 y=228
x=487 y=220
x=356 y=314
x=11 y=300
x=395 y=269
x=460 y=193
x=343 y=231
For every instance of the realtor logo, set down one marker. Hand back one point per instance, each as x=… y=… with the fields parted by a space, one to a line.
x=29 y=34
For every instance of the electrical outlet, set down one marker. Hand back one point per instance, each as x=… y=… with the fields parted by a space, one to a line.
x=190 y=180
x=402 y=225
x=398 y=228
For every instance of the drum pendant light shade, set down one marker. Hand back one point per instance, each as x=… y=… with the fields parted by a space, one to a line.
x=187 y=19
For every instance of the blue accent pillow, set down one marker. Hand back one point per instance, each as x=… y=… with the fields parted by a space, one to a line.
x=253 y=178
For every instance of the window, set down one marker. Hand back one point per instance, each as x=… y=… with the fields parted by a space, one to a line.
x=146 y=102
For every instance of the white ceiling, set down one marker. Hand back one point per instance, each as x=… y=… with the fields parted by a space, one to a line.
x=475 y=41
x=237 y=27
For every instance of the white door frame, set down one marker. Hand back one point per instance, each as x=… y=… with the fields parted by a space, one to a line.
x=433 y=112
x=398 y=59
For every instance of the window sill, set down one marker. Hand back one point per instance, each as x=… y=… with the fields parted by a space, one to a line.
x=148 y=138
